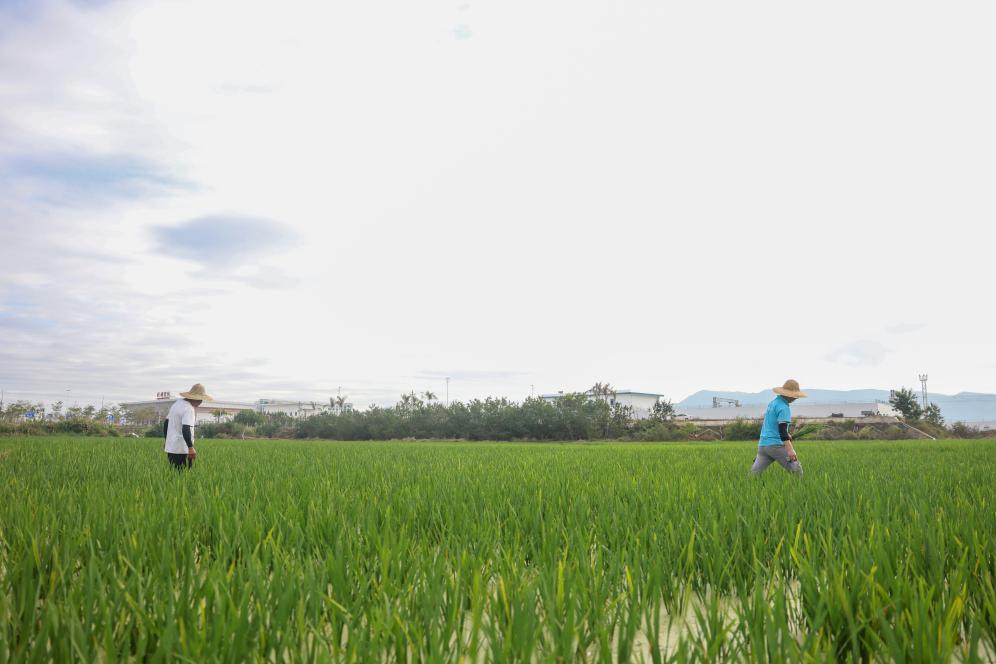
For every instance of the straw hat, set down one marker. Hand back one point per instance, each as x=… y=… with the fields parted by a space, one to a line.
x=790 y=389
x=198 y=393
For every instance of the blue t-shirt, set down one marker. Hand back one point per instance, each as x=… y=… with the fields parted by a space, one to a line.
x=778 y=411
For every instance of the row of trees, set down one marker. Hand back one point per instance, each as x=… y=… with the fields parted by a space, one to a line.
x=906 y=402
x=20 y=411
x=26 y=417
x=592 y=415
x=585 y=416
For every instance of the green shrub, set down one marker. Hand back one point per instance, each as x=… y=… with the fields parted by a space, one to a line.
x=868 y=432
x=661 y=431
x=743 y=429
x=962 y=430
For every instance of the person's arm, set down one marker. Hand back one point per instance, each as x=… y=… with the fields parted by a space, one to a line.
x=166 y=428
x=188 y=438
x=188 y=421
x=783 y=433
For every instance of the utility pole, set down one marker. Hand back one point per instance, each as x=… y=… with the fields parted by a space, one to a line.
x=447 y=391
x=923 y=383
x=532 y=390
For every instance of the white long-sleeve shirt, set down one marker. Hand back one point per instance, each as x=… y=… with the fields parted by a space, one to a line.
x=180 y=413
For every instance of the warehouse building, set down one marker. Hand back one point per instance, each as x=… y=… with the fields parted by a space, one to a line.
x=290 y=407
x=868 y=411
x=641 y=402
x=153 y=410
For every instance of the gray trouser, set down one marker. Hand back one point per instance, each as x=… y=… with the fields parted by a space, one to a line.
x=768 y=454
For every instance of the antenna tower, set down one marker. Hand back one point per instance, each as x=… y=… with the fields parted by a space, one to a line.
x=923 y=389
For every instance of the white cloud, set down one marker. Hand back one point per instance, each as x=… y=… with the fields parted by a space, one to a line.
x=904 y=328
x=863 y=352
x=667 y=197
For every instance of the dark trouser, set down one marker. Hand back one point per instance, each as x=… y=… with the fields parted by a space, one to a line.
x=180 y=461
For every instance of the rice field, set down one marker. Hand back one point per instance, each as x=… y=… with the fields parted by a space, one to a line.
x=287 y=551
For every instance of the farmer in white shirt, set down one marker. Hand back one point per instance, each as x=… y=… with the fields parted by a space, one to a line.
x=178 y=427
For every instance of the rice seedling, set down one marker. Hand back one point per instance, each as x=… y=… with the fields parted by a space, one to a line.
x=449 y=552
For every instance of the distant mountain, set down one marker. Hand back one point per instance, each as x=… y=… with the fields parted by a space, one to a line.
x=962 y=407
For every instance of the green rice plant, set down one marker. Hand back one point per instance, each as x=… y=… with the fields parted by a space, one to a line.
x=449 y=552
x=811 y=429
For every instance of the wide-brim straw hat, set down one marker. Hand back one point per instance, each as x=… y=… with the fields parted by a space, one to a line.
x=790 y=389
x=197 y=393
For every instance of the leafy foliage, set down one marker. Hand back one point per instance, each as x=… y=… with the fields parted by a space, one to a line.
x=24 y=417
x=742 y=429
x=663 y=411
x=905 y=401
x=572 y=417
x=932 y=415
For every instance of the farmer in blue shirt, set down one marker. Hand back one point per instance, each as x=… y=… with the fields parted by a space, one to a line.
x=776 y=443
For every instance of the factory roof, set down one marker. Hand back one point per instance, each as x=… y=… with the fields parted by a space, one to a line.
x=799 y=410
x=556 y=395
x=207 y=405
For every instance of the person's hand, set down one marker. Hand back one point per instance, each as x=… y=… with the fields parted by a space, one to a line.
x=792 y=455
x=191 y=453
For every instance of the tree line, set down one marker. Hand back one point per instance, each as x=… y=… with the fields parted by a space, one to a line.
x=592 y=415
x=37 y=418
x=579 y=416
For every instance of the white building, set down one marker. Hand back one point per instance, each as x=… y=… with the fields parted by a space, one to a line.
x=292 y=408
x=641 y=402
x=803 y=411
x=148 y=412
x=142 y=412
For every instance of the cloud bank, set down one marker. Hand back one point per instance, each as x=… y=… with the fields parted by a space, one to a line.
x=513 y=195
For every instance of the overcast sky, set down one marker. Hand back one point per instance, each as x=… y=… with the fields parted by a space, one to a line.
x=278 y=199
